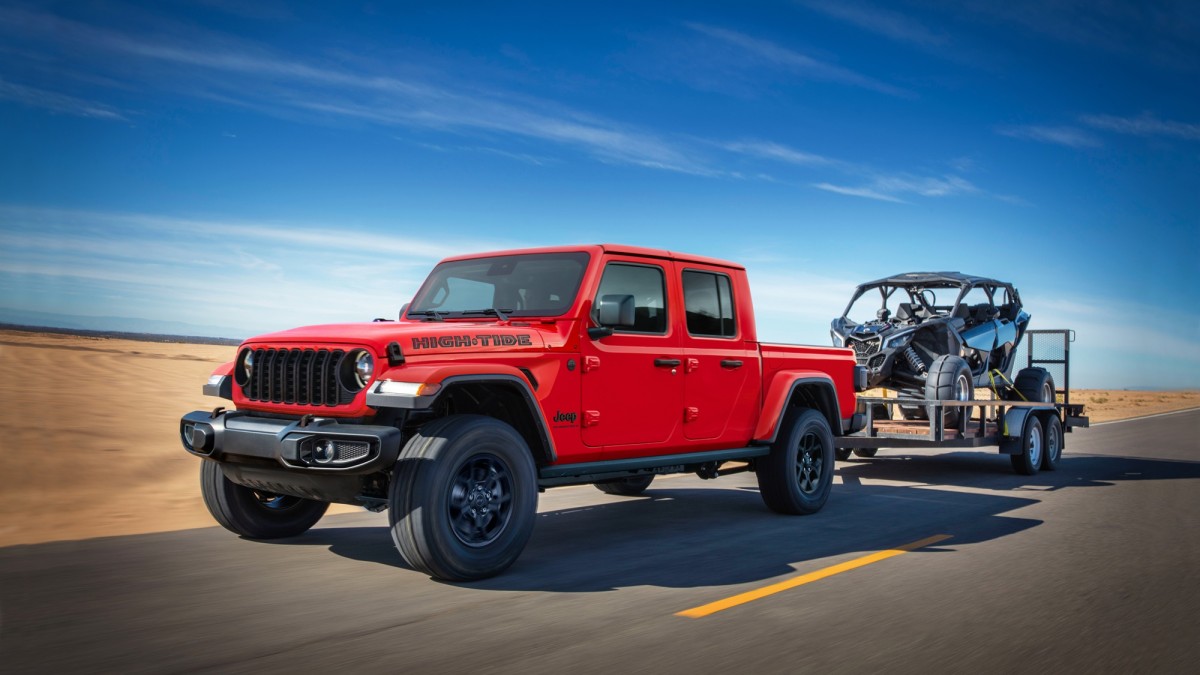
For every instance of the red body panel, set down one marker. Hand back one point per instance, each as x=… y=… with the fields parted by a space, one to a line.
x=606 y=398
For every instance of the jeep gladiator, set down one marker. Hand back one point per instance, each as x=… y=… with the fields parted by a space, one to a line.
x=509 y=373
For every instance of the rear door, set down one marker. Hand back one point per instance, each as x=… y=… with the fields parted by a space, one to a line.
x=721 y=369
x=633 y=379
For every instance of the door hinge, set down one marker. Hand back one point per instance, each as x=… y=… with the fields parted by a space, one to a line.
x=590 y=363
x=692 y=365
x=591 y=418
x=691 y=414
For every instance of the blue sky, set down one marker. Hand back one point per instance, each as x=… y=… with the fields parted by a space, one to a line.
x=243 y=167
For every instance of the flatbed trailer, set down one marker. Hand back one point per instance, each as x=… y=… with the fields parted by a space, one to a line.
x=1031 y=433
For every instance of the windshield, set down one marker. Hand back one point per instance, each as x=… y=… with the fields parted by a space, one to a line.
x=535 y=284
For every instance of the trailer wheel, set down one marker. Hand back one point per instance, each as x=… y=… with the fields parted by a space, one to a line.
x=949 y=379
x=796 y=477
x=1032 y=446
x=1053 y=431
x=463 y=498
x=626 y=487
x=252 y=513
x=866 y=452
x=842 y=454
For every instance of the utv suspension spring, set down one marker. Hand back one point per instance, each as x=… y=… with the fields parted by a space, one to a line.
x=914 y=360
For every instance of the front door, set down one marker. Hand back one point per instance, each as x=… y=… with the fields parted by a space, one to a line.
x=633 y=379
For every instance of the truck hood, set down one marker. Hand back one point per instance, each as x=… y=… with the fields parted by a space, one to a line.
x=414 y=338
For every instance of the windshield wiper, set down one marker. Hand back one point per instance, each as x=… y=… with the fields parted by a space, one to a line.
x=501 y=314
x=429 y=314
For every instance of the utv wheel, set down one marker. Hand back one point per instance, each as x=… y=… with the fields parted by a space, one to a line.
x=1032 y=446
x=463 y=498
x=1053 y=432
x=626 y=487
x=254 y=514
x=910 y=412
x=842 y=454
x=949 y=379
x=796 y=477
x=865 y=452
x=1035 y=385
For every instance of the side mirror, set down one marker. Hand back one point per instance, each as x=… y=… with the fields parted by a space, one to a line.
x=612 y=311
x=404 y=309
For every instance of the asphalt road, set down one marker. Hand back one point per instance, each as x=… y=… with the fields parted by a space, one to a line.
x=1092 y=568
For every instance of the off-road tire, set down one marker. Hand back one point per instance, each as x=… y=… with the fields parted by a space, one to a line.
x=865 y=452
x=1052 y=432
x=796 y=477
x=950 y=379
x=1033 y=447
x=842 y=454
x=913 y=412
x=1035 y=385
x=463 y=498
x=626 y=487
x=254 y=514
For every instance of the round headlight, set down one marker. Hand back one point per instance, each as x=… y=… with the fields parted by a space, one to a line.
x=247 y=373
x=364 y=368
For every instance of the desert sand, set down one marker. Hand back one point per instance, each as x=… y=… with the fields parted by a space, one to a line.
x=91 y=444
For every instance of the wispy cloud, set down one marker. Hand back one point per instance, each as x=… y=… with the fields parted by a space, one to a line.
x=777 y=152
x=1145 y=124
x=864 y=192
x=1070 y=137
x=886 y=22
x=55 y=102
x=795 y=62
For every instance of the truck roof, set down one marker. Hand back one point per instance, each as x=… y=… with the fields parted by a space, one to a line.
x=620 y=249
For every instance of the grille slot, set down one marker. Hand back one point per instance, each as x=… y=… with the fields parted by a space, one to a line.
x=297 y=376
x=349 y=451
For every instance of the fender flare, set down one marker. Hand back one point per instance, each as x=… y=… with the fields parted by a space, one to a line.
x=780 y=395
x=449 y=377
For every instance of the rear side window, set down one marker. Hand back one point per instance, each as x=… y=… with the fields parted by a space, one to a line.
x=647 y=285
x=708 y=301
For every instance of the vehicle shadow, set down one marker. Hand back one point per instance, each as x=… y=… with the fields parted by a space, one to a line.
x=694 y=537
x=992 y=471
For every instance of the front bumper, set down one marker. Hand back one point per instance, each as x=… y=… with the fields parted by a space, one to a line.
x=316 y=445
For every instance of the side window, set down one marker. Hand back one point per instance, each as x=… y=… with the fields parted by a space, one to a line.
x=647 y=285
x=708 y=300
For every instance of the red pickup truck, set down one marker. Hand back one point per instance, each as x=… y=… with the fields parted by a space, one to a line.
x=511 y=372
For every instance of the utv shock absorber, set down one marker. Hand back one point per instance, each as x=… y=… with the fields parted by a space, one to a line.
x=914 y=360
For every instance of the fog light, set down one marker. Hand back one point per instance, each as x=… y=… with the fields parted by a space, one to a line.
x=324 y=452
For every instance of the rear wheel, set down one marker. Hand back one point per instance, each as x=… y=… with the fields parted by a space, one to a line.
x=949 y=379
x=626 y=487
x=866 y=452
x=796 y=477
x=1032 y=447
x=842 y=454
x=1035 y=385
x=253 y=513
x=1053 y=432
x=463 y=498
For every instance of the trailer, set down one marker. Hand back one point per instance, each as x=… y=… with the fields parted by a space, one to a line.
x=1031 y=433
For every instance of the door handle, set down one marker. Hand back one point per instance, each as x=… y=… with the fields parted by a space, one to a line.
x=667 y=363
x=731 y=363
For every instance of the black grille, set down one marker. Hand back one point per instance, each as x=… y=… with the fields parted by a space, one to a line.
x=300 y=376
x=864 y=347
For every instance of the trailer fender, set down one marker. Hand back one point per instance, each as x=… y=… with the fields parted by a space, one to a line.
x=1012 y=429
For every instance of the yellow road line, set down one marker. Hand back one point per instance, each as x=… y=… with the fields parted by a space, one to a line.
x=749 y=596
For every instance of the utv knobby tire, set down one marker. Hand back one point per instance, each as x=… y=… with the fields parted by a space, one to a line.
x=949 y=379
x=626 y=487
x=795 y=478
x=254 y=514
x=913 y=412
x=463 y=498
x=1035 y=385
x=1032 y=447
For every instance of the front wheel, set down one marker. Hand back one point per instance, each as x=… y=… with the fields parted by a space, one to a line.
x=796 y=477
x=252 y=513
x=1029 y=459
x=949 y=379
x=463 y=498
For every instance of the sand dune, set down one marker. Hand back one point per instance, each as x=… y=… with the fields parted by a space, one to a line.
x=91 y=445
